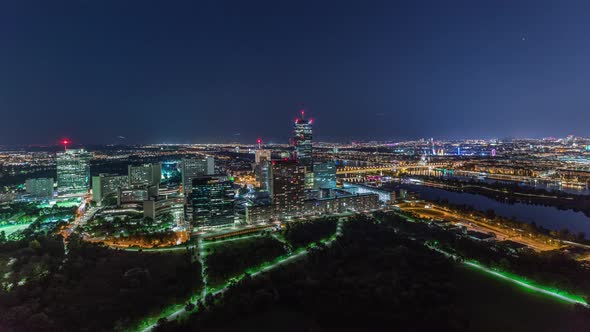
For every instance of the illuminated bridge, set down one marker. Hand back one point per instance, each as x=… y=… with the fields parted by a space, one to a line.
x=400 y=167
x=363 y=170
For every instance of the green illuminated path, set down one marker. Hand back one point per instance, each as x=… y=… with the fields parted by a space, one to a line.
x=518 y=280
x=556 y=294
x=263 y=268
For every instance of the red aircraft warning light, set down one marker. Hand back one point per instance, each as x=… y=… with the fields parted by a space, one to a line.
x=65 y=143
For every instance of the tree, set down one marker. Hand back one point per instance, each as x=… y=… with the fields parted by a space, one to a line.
x=35 y=245
x=189 y=306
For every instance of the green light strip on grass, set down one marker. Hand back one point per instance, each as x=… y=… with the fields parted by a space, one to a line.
x=561 y=295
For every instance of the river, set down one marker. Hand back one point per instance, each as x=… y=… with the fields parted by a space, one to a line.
x=546 y=216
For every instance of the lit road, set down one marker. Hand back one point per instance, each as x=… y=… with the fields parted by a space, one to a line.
x=502 y=234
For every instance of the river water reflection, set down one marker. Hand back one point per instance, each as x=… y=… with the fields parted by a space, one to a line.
x=546 y=216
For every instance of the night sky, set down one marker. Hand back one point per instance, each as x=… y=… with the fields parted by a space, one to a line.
x=221 y=71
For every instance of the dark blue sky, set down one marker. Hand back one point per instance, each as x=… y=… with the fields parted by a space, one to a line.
x=220 y=71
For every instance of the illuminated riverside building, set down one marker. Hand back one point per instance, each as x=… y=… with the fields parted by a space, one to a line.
x=324 y=206
x=287 y=187
x=73 y=171
x=145 y=175
x=211 y=202
x=41 y=187
x=302 y=141
x=106 y=184
x=193 y=168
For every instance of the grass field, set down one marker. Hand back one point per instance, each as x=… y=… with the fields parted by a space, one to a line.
x=9 y=229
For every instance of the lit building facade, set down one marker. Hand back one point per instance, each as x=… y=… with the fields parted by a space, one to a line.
x=324 y=175
x=302 y=142
x=211 y=202
x=145 y=175
x=73 y=171
x=41 y=187
x=317 y=207
x=287 y=187
x=262 y=168
x=157 y=207
x=106 y=184
x=193 y=168
x=262 y=154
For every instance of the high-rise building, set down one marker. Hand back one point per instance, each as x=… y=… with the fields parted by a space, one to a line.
x=106 y=184
x=287 y=189
x=73 y=171
x=196 y=167
x=262 y=173
x=145 y=175
x=41 y=187
x=211 y=202
x=262 y=168
x=324 y=175
x=302 y=141
x=262 y=154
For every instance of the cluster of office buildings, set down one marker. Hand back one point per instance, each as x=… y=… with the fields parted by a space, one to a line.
x=300 y=186
x=293 y=185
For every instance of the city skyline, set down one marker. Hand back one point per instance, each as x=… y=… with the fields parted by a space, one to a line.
x=228 y=71
x=274 y=166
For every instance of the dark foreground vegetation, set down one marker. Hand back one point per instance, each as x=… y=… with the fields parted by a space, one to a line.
x=370 y=279
x=231 y=258
x=303 y=233
x=550 y=268
x=92 y=288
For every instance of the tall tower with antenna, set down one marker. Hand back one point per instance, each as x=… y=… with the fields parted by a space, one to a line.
x=302 y=140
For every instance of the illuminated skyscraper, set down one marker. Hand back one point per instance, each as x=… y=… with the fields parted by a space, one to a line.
x=262 y=168
x=261 y=154
x=302 y=141
x=195 y=167
x=145 y=175
x=73 y=171
x=211 y=202
x=287 y=189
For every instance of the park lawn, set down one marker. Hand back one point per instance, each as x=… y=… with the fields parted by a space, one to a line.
x=11 y=228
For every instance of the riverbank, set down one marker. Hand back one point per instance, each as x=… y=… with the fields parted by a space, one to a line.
x=513 y=193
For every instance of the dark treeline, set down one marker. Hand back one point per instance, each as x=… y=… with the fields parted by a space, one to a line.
x=229 y=259
x=300 y=234
x=549 y=268
x=93 y=288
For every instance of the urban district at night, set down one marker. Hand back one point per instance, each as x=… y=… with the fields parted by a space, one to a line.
x=294 y=166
